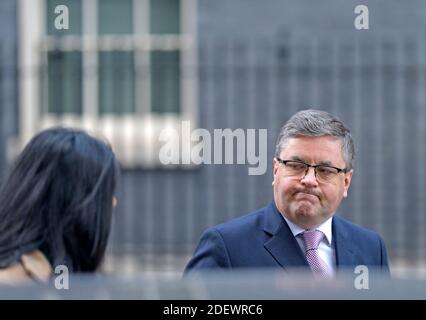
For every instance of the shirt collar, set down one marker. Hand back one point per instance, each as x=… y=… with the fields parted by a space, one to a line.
x=325 y=228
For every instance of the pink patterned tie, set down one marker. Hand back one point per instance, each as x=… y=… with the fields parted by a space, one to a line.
x=312 y=239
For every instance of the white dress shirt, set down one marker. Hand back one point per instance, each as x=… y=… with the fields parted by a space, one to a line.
x=325 y=248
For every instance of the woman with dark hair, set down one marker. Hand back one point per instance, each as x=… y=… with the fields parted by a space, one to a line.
x=56 y=206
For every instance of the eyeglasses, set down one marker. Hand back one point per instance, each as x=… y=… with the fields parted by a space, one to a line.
x=299 y=169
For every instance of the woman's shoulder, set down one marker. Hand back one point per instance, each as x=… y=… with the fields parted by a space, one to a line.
x=33 y=266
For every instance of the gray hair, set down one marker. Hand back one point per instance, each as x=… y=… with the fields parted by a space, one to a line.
x=315 y=123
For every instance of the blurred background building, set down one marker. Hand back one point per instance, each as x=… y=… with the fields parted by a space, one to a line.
x=127 y=69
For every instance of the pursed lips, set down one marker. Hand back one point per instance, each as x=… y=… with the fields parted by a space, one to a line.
x=304 y=194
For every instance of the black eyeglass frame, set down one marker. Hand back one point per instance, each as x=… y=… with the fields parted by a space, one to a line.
x=344 y=170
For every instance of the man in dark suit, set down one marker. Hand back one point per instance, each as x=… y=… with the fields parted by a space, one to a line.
x=298 y=229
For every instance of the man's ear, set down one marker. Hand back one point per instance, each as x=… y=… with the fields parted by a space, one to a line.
x=276 y=164
x=347 y=183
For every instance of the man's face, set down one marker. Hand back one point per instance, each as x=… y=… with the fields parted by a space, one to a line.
x=305 y=201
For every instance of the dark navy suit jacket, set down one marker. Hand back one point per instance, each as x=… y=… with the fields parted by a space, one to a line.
x=263 y=239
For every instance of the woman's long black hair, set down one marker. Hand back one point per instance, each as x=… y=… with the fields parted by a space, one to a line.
x=58 y=198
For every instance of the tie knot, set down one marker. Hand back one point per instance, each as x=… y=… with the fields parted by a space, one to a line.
x=312 y=239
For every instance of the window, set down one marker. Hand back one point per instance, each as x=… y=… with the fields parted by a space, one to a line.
x=116 y=72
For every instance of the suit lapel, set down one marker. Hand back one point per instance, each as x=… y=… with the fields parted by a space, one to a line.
x=344 y=247
x=282 y=245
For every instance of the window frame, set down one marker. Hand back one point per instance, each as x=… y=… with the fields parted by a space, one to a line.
x=134 y=137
